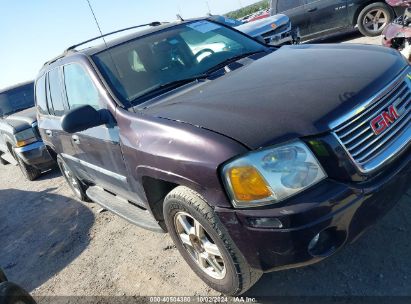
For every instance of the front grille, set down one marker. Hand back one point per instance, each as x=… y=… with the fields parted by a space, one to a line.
x=276 y=31
x=358 y=137
x=36 y=130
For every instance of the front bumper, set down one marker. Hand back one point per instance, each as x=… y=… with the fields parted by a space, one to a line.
x=36 y=155
x=291 y=36
x=344 y=211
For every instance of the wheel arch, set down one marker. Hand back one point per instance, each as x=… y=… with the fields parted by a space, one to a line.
x=157 y=184
x=363 y=5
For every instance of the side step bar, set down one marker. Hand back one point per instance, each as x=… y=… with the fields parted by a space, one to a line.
x=124 y=209
x=9 y=158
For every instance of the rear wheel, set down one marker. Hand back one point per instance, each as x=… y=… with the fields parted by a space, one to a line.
x=29 y=172
x=374 y=18
x=204 y=243
x=75 y=184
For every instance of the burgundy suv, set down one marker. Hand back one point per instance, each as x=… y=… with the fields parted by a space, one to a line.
x=253 y=158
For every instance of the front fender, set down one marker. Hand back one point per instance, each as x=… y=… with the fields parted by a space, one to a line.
x=176 y=152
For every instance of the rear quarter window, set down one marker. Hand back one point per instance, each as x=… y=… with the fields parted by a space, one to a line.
x=55 y=92
x=41 y=98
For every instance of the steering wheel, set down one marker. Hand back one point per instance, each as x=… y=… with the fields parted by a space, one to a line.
x=204 y=51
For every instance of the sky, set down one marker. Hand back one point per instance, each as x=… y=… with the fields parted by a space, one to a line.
x=34 y=31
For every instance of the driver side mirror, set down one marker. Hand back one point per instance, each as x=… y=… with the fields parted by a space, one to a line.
x=83 y=118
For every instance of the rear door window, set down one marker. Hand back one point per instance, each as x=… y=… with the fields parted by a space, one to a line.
x=41 y=99
x=286 y=5
x=80 y=88
x=55 y=92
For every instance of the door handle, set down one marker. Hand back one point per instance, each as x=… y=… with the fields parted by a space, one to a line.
x=76 y=139
x=49 y=133
x=311 y=10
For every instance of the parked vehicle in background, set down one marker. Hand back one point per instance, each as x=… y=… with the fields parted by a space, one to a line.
x=20 y=141
x=397 y=34
x=275 y=30
x=320 y=18
x=258 y=16
x=253 y=158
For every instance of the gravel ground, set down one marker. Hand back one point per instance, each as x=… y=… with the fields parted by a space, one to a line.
x=52 y=244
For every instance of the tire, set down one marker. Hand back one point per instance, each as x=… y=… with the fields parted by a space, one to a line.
x=233 y=276
x=2 y=161
x=78 y=188
x=368 y=19
x=29 y=172
x=11 y=293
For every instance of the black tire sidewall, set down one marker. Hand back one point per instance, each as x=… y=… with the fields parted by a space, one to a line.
x=230 y=282
x=366 y=10
x=29 y=172
x=2 y=161
x=11 y=293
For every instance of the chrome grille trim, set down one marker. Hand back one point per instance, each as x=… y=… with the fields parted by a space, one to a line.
x=367 y=150
x=35 y=127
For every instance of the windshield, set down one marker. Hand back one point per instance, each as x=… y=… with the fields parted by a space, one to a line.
x=139 y=66
x=16 y=99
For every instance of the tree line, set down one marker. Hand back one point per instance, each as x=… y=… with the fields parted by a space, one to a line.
x=250 y=9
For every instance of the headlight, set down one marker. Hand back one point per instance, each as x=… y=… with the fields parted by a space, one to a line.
x=25 y=137
x=271 y=175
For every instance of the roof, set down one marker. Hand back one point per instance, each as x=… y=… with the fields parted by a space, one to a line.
x=111 y=43
x=15 y=86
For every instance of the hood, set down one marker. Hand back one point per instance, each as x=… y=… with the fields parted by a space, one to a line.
x=259 y=27
x=293 y=92
x=22 y=120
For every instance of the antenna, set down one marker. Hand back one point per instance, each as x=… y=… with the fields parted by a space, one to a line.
x=179 y=18
x=208 y=7
x=98 y=25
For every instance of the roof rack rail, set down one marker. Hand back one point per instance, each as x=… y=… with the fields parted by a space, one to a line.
x=58 y=57
x=155 y=23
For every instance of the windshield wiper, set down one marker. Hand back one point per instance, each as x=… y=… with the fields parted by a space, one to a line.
x=233 y=59
x=170 y=85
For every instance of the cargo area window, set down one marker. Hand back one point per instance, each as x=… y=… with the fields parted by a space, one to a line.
x=41 y=98
x=55 y=92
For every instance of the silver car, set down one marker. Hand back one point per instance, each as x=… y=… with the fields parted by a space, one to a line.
x=275 y=30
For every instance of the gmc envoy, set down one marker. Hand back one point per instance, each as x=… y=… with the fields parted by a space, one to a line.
x=253 y=158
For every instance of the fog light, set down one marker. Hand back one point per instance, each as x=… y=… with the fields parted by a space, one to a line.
x=265 y=222
x=326 y=242
x=313 y=242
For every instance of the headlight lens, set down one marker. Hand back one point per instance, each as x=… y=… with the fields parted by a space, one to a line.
x=272 y=175
x=25 y=137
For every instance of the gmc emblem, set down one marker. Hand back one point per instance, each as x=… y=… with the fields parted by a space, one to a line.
x=383 y=121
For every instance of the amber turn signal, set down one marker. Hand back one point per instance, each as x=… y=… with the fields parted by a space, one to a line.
x=247 y=184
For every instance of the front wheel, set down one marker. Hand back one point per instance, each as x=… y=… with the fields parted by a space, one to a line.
x=29 y=172
x=374 y=18
x=75 y=184
x=204 y=243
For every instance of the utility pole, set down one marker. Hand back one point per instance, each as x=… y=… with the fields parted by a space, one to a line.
x=241 y=3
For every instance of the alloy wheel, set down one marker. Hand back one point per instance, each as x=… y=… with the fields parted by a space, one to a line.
x=71 y=179
x=375 y=20
x=200 y=246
